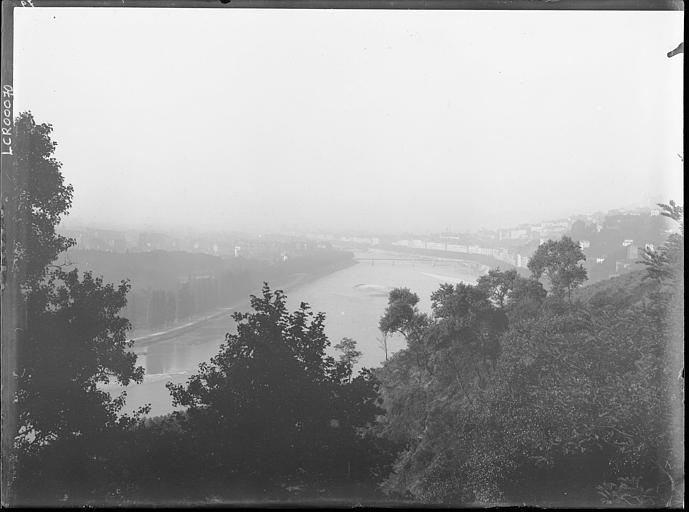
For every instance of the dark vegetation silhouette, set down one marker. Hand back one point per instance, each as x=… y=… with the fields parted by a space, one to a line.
x=74 y=338
x=270 y=416
x=282 y=413
x=505 y=392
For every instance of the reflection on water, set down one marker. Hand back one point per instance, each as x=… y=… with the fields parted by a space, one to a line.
x=353 y=300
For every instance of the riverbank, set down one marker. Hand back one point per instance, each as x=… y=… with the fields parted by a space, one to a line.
x=352 y=293
x=285 y=284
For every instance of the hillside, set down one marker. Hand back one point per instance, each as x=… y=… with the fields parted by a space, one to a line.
x=155 y=269
x=626 y=289
x=168 y=287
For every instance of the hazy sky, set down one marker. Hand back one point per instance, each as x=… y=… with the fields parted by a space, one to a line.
x=394 y=120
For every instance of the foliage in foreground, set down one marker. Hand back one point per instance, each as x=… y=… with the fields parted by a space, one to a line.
x=271 y=413
x=73 y=337
x=279 y=410
x=507 y=396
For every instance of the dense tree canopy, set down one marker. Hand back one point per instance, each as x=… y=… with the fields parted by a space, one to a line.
x=278 y=408
x=526 y=399
x=442 y=375
x=498 y=284
x=43 y=196
x=560 y=261
x=512 y=293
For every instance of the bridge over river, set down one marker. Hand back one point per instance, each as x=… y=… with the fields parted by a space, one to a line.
x=392 y=254
x=433 y=260
x=372 y=258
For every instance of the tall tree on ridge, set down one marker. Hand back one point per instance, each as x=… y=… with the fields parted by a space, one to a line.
x=560 y=261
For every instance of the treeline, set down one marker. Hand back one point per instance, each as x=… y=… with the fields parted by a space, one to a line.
x=270 y=414
x=270 y=417
x=169 y=287
x=511 y=393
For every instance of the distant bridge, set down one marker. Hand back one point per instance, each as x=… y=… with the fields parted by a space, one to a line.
x=433 y=260
x=395 y=259
x=435 y=255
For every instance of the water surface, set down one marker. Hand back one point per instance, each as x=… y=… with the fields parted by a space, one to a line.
x=353 y=300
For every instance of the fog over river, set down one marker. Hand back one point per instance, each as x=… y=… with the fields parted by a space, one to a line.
x=353 y=300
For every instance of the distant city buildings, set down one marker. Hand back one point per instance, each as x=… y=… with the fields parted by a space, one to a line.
x=101 y=239
x=346 y=239
x=157 y=241
x=501 y=254
x=262 y=247
x=612 y=242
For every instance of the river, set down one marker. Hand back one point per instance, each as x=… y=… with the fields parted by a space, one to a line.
x=353 y=300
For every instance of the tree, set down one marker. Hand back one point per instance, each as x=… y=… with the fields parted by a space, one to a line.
x=497 y=284
x=383 y=343
x=526 y=400
x=73 y=339
x=349 y=354
x=35 y=198
x=665 y=268
x=585 y=393
x=566 y=399
x=560 y=262
x=663 y=264
x=465 y=312
x=401 y=311
x=273 y=407
x=525 y=298
x=580 y=230
x=431 y=388
x=509 y=291
x=402 y=316
x=44 y=198
x=75 y=342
